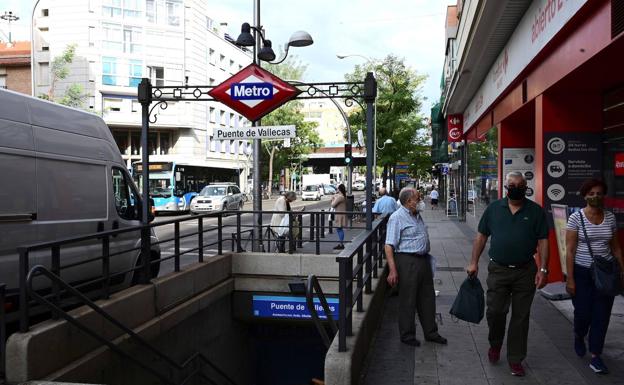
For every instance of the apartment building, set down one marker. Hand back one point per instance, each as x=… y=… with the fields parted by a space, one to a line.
x=171 y=42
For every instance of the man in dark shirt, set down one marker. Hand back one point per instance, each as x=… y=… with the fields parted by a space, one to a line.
x=517 y=226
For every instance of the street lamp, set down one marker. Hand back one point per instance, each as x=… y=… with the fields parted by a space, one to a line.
x=246 y=39
x=9 y=16
x=388 y=141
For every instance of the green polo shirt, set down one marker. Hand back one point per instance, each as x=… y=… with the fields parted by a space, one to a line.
x=513 y=236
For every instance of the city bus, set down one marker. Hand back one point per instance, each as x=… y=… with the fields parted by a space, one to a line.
x=173 y=185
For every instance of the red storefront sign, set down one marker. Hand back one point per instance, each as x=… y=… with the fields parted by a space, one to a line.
x=618 y=167
x=254 y=92
x=455 y=124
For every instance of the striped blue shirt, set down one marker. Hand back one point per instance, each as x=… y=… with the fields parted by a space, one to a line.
x=599 y=236
x=407 y=233
x=385 y=205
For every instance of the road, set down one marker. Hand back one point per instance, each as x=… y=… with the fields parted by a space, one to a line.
x=189 y=226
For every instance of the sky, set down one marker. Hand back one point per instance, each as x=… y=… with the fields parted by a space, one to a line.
x=411 y=29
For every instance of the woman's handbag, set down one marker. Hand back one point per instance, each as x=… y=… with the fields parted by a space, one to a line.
x=604 y=272
x=469 y=305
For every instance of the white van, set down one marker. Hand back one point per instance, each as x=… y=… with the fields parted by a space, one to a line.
x=62 y=176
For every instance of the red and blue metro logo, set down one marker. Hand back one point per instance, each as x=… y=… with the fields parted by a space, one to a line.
x=253 y=92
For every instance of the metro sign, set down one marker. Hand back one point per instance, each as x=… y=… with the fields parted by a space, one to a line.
x=253 y=92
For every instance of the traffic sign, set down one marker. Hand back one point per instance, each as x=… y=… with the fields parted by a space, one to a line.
x=253 y=92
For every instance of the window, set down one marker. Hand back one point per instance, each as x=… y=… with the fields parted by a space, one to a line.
x=174 y=12
x=165 y=143
x=92 y=102
x=209 y=24
x=211 y=82
x=92 y=71
x=45 y=48
x=121 y=138
x=212 y=114
x=136 y=72
x=231 y=122
x=135 y=141
x=111 y=8
x=136 y=106
x=212 y=143
x=91 y=36
x=44 y=74
x=45 y=12
x=132 y=39
x=111 y=37
x=152 y=143
x=3 y=81
x=232 y=65
x=221 y=61
x=217 y=146
x=132 y=8
x=109 y=71
x=211 y=56
x=126 y=199
x=112 y=105
x=150 y=11
x=222 y=117
x=157 y=75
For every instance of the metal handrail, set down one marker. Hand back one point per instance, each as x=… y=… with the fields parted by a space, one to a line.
x=40 y=270
x=311 y=286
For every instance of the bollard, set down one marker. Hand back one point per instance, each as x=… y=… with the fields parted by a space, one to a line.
x=300 y=237
x=322 y=223
x=200 y=239
x=176 y=243
x=56 y=270
x=312 y=226
x=318 y=239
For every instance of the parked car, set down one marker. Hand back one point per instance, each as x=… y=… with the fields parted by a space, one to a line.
x=217 y=197
x=329 y=189
x=359 y=185
x=311 y=192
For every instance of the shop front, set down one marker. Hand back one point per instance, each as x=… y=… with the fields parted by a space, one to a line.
x=555 y=95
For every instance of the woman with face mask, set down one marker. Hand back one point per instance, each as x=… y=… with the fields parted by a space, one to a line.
x=590 y=233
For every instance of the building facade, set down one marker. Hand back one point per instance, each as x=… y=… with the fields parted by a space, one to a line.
x=171 y=42
x=545 y=74
x=15 y=66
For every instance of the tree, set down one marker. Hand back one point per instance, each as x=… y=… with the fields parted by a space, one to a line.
x=307 y=138
x=74 y=94
x=399 y=116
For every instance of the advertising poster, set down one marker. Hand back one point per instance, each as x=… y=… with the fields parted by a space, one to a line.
x=560 y=220
x=569 y=159
x=522 y=160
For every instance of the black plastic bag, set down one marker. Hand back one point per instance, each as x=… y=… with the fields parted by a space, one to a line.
x=469 y=305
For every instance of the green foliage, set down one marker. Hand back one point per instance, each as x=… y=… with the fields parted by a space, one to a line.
x=307 y=139
x=399 y=115
x=59 y=70
x=482 y=150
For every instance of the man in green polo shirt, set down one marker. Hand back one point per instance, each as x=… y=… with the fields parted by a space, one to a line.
x=517 y=227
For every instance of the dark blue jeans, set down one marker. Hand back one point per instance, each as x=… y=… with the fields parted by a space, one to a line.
x=592 y=310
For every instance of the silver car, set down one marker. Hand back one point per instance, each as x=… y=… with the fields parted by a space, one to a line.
x=217 y=197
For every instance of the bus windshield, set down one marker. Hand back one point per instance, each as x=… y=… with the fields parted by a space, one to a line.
x=158 y=188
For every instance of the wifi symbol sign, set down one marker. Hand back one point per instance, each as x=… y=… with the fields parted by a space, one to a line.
x=555 y=192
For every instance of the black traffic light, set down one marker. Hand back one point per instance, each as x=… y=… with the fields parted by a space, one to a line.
x=348 y=156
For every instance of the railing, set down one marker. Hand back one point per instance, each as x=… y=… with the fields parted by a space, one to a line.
x=42 y=271
x=367 y=248
x=313 y=285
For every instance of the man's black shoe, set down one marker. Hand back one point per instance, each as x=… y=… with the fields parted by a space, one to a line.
x=411 y=342
x=438 y=340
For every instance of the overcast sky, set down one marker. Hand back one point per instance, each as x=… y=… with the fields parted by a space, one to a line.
x=413 y=29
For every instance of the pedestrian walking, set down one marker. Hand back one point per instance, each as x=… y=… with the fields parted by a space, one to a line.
x=407 y=252
x=279 y=220
x=517 y=226
x=339 y=203
x=591 y=233
x=385 y=204
x=434 y=195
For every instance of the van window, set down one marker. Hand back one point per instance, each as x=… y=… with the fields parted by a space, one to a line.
x=126 y=201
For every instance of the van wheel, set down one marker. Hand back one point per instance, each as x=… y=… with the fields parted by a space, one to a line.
x=154 y=269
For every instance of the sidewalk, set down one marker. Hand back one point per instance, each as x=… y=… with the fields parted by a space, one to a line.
x=551 y=359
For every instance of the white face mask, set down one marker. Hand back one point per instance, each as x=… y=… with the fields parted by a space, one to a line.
x=421 y=206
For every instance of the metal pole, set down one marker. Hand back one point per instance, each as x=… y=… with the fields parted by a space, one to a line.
x=145 y=98
x=370 y=94
x=464 y=182
x=257 y=147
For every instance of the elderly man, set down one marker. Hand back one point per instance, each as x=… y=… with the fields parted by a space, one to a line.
x=278 y=223
x=407 y=252
x=385 y=204
x=517 y=226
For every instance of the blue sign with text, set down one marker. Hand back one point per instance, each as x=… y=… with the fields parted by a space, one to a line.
x=290 y=307
x=251 y=91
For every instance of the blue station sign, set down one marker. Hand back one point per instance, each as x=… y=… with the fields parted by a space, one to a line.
x=269 y=306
